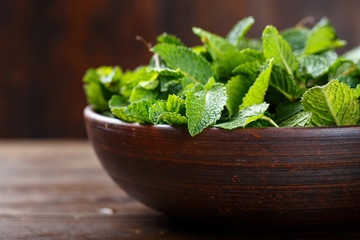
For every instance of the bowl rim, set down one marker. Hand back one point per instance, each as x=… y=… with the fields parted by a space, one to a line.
x=90 y=114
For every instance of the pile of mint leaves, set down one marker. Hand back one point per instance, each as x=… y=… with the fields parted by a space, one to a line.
x=292 y=78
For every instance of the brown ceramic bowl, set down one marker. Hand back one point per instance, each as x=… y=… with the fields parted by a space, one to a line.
x=287 y=176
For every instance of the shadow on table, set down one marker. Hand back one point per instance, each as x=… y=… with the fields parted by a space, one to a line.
x=209 y=231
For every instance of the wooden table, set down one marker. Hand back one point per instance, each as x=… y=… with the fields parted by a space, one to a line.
x=58 y=190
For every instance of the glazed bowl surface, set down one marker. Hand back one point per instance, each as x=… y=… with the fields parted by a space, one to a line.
x=276 y=176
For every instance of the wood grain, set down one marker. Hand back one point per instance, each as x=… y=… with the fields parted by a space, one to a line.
x=58 y=190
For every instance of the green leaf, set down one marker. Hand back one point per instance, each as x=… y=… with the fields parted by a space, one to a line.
x=131 y=80
x=334 y=104
x=138 y=111
x=179 y=57
x=284 y=111
x=109 y=76
x=117 y=106
x=245 y=116
x=169 y=73
x=204 y=107
x=215 y=44
x=171 y=111
x=236 y=90
x=117 y=101
x=255 y=44
x=225 y=65
x=239 y=30
x=257 y=91
x=140 y=93
x=285 y=83
x=301 y=119
x=297 y=38
x=249 y=68
x=97 y=96
x=353 y=54
x=313 y=66
x=279 y=49
x=345 y=71
x=322 y=37
x=174 y=119
x=330 y=55
x=100 y=84
x=169 y=38
x=351 y=81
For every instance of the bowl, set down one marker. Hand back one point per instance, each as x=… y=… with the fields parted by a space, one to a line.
x=276 y=176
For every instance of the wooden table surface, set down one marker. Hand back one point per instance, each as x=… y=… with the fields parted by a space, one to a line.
x=58 y=190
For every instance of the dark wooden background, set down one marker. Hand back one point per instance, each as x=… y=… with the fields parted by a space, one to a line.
x=46 y=46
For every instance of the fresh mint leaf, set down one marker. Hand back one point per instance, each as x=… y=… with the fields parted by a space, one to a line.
x=351 y=81
x=285 y=84
x=252 y=43
x=170 y=39
x=284 y=111
x=97 y=96
x=279 y=49
x=249 y=68
x=300 y=119
x=178 y=57
x=117 y=106
x=174 y=119
x=139 y=111
x=100 y=84
x=257 y=91
x=313 y=66
x=330 y=55
x=345 y=71
x=236 y=89
x=297 y=38
x=140 y=93
x=224 y=66
x=334 y=104
x=322 y=37
x=131 y=80
x=239 y=30
x=109 y=76
x=171 y=111
x=245 y=116
x=353 y=54
x=204 y=107
x=215 y=44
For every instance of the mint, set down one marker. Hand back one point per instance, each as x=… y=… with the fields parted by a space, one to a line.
x=204 y=107
x=246 y=116
x=291 y=78
x=239 y=30
x=322 y=37
x=171 y=111
x=178 y=57
x=301 y=119
x=257 y=91
x=215 y=44
x=353 y=54
x=279 y=49
x=285 y=83
x=314 y=66
x=169 y=38
x=334 y=104
x=296 y=37
x=236 y=89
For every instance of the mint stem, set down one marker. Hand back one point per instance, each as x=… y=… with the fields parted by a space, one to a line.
x=269 y=120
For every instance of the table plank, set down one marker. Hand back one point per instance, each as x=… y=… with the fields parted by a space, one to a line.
x=58 y=190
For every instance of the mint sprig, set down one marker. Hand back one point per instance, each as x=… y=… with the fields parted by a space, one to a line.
x=291 y=78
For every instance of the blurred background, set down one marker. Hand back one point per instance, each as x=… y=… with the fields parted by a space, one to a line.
x=46 y=47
